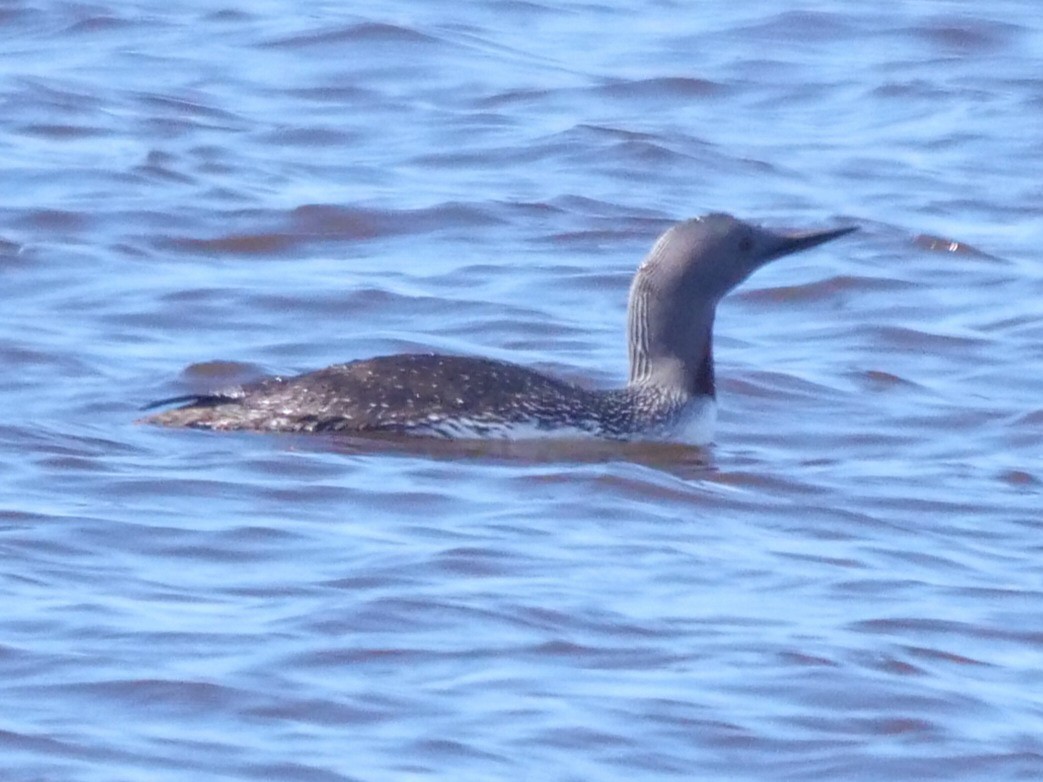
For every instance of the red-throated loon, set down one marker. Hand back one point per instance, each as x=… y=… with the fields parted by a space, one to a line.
x=670 y=393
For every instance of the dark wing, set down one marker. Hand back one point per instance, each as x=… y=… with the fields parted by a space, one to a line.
x=189 y=400
x=389 y=393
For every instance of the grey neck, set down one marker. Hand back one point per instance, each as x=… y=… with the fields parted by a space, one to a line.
x=671 y=345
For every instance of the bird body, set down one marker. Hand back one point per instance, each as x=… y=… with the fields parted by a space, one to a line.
x=670 y=393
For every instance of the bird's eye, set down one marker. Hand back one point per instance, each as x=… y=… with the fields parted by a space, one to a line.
x=745 y=244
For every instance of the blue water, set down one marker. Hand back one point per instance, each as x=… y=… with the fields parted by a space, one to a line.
x=845 y=586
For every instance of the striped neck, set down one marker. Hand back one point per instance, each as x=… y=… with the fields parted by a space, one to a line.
x=670 y=345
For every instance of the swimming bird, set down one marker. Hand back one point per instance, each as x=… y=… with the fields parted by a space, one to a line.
x=670 y=393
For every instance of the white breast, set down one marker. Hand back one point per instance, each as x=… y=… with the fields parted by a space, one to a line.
x=693 y=426
x=696 y=424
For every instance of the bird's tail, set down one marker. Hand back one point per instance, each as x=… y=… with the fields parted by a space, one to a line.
x=194 y=410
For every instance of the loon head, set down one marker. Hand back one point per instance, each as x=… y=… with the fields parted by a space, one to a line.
x=677 y=287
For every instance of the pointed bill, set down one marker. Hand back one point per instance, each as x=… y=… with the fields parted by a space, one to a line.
x=786 y=244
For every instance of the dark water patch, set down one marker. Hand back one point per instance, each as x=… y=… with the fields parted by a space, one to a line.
x=13 y=15
x=62 y=98
x=1032 y=418
x=607 y=231
x=940 y=628
x=102 y=23
x=965 y=35
x=58 y=132
x=15 y=519
x=530 y=9
x=194 y=107
x=46 y=550
x=476 y=562
x=350 y=657
x=450 y=749
x=907 y=338
x=643 y=153
x=910 y=89
x=361 y=33
x=619 y=148
x=767 y=483
x=405 y=500
x=238 y=244
x=55 y=220
x=218 y=297
x=602 y=657
x=654 y=222
x=1027 y=325
x=932 y=655
x=513 y=98
x=805 y=660
x=239 y=545
x=308 y=224
x=311 y=137
x=878 y=380
x=230 y=15
x=825 y=560
x=180 y=696
x=294 y=772
x=804 y=26
x=24 y=364
x=336 y=93
x=323 y=712
x=585 y=738
x=490 y=159
x=778 y=386
x=663 y=88
x=16 y=742
x=163 y=167
x=1019 y=478
x=325 y=219
x=375 y=305
x=823 y=290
